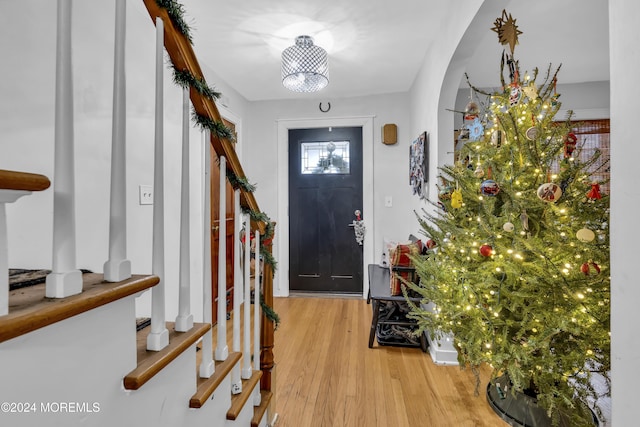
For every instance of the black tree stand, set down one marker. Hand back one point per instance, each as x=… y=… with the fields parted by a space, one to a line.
x=520 y=409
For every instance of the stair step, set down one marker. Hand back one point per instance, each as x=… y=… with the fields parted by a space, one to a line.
x=258 y=411
x=206 y=386
x=152 y=362
x=30 y=309
x=239 y=400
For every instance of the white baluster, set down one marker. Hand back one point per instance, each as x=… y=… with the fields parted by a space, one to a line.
x=6 y=196
x=117 y=267
x=207 y=366
x=256 y=318
x=236 y=382
x=4 y=262
x=222 y=350
x=184 y=320
x=246 y=353
x=65 y=279
x=256 y=306
x=158 y=338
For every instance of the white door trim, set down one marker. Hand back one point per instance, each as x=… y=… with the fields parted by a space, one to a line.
x=281 y=280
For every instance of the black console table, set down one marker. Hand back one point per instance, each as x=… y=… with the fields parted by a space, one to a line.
x=390 y=310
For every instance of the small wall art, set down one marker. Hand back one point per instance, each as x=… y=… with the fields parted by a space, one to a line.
x=418 y=171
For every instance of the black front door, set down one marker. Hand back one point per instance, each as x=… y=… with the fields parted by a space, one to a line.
x=325 y=189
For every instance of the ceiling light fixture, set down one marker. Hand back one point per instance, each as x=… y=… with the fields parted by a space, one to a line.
x=304 y=66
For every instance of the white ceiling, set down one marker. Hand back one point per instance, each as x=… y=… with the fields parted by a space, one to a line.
x=377 y=46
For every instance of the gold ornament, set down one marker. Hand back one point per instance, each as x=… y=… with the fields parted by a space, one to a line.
x=531 y=91
x=507 y=30
x=456 y=199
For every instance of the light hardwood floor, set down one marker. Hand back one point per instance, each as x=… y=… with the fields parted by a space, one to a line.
x=327 y=376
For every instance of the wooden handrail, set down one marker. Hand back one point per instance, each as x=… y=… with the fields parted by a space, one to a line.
x=183 y=57
x=181 y=53
x=13 y=180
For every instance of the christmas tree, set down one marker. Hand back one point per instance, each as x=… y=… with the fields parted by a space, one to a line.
x=519 y=267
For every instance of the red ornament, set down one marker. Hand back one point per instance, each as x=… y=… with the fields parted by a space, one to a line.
x=431 y=244
x=585 y=268
x=486 y=250
x=570 y=142
x=594 y=193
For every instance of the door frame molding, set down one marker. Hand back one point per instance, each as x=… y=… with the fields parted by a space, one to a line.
x=282 y=230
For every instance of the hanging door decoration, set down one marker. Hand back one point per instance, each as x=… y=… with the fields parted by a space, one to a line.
x=418 y=172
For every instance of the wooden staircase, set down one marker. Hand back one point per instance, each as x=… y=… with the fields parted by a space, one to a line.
x=88 y=341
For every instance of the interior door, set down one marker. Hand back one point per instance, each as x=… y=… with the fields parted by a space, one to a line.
x=215 y=235
x=325 y=190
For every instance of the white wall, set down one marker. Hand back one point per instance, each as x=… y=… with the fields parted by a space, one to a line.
x=435 y=88
x=625 y=193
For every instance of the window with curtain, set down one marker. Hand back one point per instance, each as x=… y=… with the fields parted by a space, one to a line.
x=593 y=135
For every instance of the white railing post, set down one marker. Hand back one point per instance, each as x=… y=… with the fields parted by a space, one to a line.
x=256 y=305
x=236 y=382
x=207 y=366
x=65 y=279
x=158 y=337
x=222 y=350
x=118 y=267
x=184 y=320
x=246 y=353
x=6 y=196
x=257 y=397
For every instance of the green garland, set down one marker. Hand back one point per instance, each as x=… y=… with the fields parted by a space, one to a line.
x=217 y=128
x=185 y=79
x=176 y=13
x=238 y=182
x=270 y=313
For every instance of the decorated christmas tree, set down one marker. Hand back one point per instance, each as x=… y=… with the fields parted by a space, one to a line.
x=518 y=272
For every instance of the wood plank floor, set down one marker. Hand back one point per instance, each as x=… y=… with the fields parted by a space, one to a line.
x=326 y=376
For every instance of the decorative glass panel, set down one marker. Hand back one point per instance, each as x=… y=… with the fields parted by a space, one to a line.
x=325 y=157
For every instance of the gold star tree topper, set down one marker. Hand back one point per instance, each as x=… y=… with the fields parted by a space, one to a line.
x=507 y=30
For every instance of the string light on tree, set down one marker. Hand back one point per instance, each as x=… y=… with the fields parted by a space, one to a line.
x=522 y=262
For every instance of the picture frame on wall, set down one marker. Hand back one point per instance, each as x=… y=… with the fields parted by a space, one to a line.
x=418 y=165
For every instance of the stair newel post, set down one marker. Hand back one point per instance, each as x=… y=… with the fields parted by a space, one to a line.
x=257 y=397
x=207 y=366
x=267 y=326
x=246 y=353
x=222 y=350
x=65 y=279
x=184 y=320
x=236 y=382
x=117 y=267
x=158 y=338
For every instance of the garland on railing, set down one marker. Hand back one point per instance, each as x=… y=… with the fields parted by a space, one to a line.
x=270 y=313
x=238 y=182
x=266 y=238
x=217 y=128
x=185 y=79
x=175 y=11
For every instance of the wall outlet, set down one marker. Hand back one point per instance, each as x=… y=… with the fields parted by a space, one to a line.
x=146 y=194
